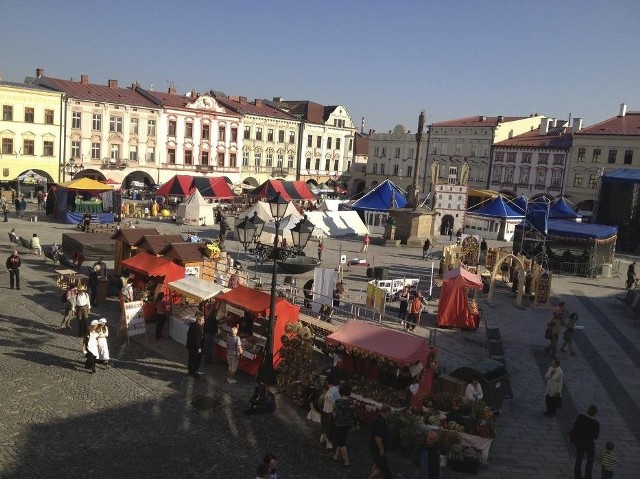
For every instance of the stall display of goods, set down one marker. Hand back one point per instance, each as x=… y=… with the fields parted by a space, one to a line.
x=470 y=251
x=544 y=287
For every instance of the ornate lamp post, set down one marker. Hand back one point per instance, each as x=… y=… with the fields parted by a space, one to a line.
x=249 y=230
x=300 y=233
x=71 y=168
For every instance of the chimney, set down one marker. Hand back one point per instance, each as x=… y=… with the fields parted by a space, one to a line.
x=623 y=109
x=278 y=99
x=371 y=132
x=544 y=126
x=242 y=100
x=134 y=85
x=113 y=83
x=39 y=72
x=482 y=118
x=84 y=79
x=554 y=123
x=362 y=126
x=194 y=93
x=577 y=124
x=172 y=90
x=500 y=118
x=258 y=103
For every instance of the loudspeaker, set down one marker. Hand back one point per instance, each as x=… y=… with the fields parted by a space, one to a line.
x=380 y=272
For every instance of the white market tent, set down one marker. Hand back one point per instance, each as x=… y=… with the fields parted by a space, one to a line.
x=195 y=288
x=195 y=211
x=286 y=224
x=264 y=211
x=330 y=204
x=338 y=223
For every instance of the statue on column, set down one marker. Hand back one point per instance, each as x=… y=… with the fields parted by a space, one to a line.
x=464 y=176
x=435 y=172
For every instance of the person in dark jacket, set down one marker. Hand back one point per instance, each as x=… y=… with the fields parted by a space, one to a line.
x=13 y=266
x=195 y=342
x=429 y=456
x=93 y=284
x=210 y=331
x=584 y=433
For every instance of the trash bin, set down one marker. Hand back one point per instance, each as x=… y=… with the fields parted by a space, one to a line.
x=493 y=378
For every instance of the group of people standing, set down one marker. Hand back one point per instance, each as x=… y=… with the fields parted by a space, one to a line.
x=411 y=307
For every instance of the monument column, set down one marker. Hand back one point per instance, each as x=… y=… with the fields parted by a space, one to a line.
x=414 y=194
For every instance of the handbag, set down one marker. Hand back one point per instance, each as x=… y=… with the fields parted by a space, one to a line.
x=547 y=333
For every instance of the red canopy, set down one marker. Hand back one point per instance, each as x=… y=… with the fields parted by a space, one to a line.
x=289 y=190
x=453 y=308
x=149 y=265
x=179 y=185
x=402 y=348
x=209 y=187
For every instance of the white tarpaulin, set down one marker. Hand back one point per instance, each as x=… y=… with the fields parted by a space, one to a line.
x=32 y=178
x=195 y=211
x=196 y=288
x=264 y=211
x=286 y=223
x=338 y=223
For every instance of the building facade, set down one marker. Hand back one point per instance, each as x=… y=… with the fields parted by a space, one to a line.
x=533 y=163
x=31 y=129
x=357 y=174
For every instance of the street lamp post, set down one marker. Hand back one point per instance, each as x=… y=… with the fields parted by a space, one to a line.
x=70 y=168
x=249 y=230
x=300 y=235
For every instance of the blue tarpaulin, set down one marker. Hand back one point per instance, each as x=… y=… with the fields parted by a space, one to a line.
x=497 y=208
x=571 y=229
x=622 y=175
x=561 y=208
x=384 y=196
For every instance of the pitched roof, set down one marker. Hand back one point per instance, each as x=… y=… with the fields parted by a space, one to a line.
x=257 y=107
x=168 y=100
x=184 y=252
x=627 y=125
x=309 y=110
x=12 y=84
x=131 y=236
x=154 y=244
x=472 y=121
x=361 y=146
x=94 y=92
x=556 y=138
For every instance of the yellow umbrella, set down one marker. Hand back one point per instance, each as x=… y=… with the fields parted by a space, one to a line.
x=87 y=184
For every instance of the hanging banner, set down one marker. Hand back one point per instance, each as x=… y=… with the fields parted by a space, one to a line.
x=134 y=318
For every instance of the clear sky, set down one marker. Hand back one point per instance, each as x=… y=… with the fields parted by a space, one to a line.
x=384 y=60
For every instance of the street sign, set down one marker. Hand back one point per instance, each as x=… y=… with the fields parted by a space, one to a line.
x=343 y=259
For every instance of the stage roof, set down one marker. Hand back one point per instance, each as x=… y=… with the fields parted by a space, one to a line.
x=622 y=175
x=571 y=229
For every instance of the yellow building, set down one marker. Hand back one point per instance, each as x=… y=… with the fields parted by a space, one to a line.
x=30 y=132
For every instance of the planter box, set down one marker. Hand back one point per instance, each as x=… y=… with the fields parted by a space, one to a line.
x=467 y=467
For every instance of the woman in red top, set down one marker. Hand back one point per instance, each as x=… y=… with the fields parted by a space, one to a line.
x=163 y=307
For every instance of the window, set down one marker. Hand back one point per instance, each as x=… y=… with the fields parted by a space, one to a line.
x=457 y=147
x=115 y=152
x=397 y=152
x=309 y=141
x=596 y=155
x=151 y=128
x=28 y=147
x=76 y=120
x=48 y=117
x=526 y=157
x=75 y=149
x=382 y=168
x=593 y=181
x=47 y=148
x=258 y=133
x=280 y=136
x=384 y=152
x=350 y=144
x=338 y=143
x=290 y=161
x=95 y=151
x=206 y=131
x=234 y=134
x=188 y=129
x=233 y=160
x=511 y=157
x=336 y=165
x=474 y=148
x=558 y=159
x=409 y=170
x=7 y=113
x=612 y=156
x=543 y=158
x=115 y=124
x=628 y=157
x=376 y=151
x=577 y=180
x=500 y=156
x=375 y=168
x=280 y=160
x=96 y=121
x=292 y=137
x=172 y=129
x=329 y=143
x=220 y=159
x=270 y=134
x=188 y=157
x=222 y=133
x=269 y=158
x=396 y=170
x=151 y=154
x=7 y=146
x=247 y=132
x=134 y=126
x=524 y=176
x=257 y=158
x=29 y=115
x=204 y=158
x=319 y=142
x=245 y=158
x=556 y=178
x=327 y=164
x=581 y=154
x=133 y=153
x=171 y=156
x=317 y=163
x=497 y=174
x=541 y=177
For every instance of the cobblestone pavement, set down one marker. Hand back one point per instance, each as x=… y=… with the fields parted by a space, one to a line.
x=140 y=418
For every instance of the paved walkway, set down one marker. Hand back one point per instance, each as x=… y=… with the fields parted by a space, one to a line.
x=139 y=419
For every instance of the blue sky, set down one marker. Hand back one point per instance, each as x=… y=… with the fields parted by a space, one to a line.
x=384 y=60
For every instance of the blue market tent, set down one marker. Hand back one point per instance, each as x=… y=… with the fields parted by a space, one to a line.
x=571 y=229
x=383 y=197
x=622 y=175
x=562 y=209
x=521 y=202
x=497 y=208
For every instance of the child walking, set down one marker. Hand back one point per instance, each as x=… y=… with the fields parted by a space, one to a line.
x=608 y=460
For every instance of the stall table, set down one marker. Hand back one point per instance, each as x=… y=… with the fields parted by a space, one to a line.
x=88 y=207
x=179 y=327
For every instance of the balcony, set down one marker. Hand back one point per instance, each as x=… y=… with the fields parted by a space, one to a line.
x=554 y=188
x=280 y=171
x=200 y=168
x=114 y=164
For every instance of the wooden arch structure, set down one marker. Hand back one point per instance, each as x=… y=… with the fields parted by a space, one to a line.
x=502 y=257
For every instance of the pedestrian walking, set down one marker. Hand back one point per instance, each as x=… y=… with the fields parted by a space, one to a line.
x=271 y=461
x=320 y=250
x=93 y=284
x=414 y=312
x=23 y=206
x=425 y=248
x=5 y=208
x=83 y=308
x=427 y=457
x=13 y=266
x=91 y=346
x=553 y=391
x=483 y=251
x=163 y=308
x=343 y=421
x=583 y=435
x=103 y=346
x=404 y=304
x=379 y=444
x=608 y=460
x=567 y=336
x=553 y=330
x=16 y=203
x=195 y=339
x=326 y=420
x=210 y=331
x=365 y=243
x=69 y=306
x=307 y=290
x=631 y=275
x=234 y=353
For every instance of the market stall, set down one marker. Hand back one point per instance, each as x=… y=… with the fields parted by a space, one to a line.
x=248 y=309
x=125 y=243
x=396 y=368
x=84 y=195
x=151 y=275
x=454 y=307
x=187 y=294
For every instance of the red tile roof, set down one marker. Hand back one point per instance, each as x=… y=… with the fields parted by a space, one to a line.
x=168 y=100
x=308 y=110
x=361 y=144
x=556 y=138
x=96 y=93
x=628 y=125
x=258 y=108
x=473 y=121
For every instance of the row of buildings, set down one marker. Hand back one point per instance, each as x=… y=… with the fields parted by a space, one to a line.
x=65 y=128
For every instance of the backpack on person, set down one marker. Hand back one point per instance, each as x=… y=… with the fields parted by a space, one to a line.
x=343 y=415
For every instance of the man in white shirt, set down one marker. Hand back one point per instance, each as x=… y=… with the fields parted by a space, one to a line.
x=327 y=413
x=473 y=392
x=83 y=307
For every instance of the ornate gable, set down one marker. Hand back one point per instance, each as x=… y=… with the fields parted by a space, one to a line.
x=206 y=102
